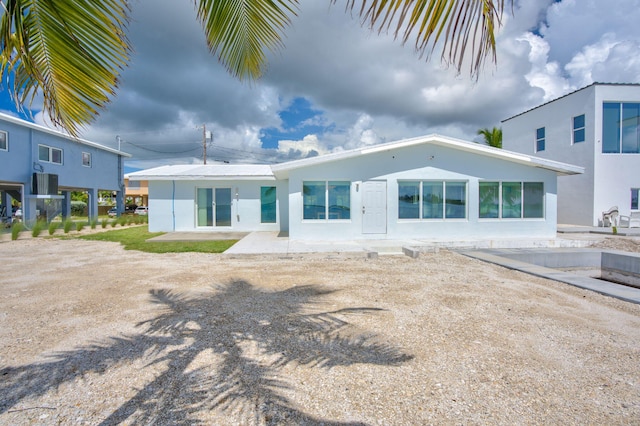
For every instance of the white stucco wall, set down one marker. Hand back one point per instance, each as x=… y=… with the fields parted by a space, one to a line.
x=608 y=178
x=423 y=162
x=575 y=193
x=614 y=174
x=172 y=205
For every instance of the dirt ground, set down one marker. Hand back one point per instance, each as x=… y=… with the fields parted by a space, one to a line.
x=93 y=334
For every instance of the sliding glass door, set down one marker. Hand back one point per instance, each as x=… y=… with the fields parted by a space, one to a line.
x=213 y=207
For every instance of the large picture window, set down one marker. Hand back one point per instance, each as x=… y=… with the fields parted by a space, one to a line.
x=268 y=204
x=408 y=200
x=511 y=200
x=489 y=200
x=634 y=198
x=49 y=154
x=621 y=128
x=4 y=141
x=578 y=129
x=432 y=200
x=326 y=200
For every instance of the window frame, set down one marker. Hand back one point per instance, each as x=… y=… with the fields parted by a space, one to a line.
x=540 y=144
x=634 y=198
x=444 y=204
x=580 y=130
x=524 y=206
x=86 y=155
x=50 y=156
x=4 y=140
x=262 y=204
x=327 y=215
x=614 y=138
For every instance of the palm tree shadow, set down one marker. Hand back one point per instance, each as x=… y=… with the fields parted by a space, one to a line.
x=254 y=333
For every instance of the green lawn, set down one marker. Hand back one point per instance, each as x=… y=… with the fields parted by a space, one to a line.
x=135 y=238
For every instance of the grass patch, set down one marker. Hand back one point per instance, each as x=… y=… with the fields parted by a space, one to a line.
x=37 y=228
x=135 y=238
x=16 y=228
x=67 y=225
x=52 y=227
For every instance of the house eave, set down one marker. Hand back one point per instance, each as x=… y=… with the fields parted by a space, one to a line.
x=59 y=134
x=202 y=177
x=281 y=171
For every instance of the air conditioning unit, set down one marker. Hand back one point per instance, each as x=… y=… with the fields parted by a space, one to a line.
x=44 y=184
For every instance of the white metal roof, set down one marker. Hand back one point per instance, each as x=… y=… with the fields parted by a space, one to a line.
x=205 y=171
x=281 y=171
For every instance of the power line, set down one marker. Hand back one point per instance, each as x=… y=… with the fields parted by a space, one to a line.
x=161 y=152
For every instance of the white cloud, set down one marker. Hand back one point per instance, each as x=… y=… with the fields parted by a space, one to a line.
x=367 y=87
x=309 y=146
x=582 y=64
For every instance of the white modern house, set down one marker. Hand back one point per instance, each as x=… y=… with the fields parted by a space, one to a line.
x=430 y=187
x=596 y=127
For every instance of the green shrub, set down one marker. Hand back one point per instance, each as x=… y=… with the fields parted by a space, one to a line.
x=52 y=227
x=37 y=228
x=114 y=223
x=16 y=228
x=79 y=226
x=104 y=223
x=93 y=223
x=78 y=208
x=68 y=224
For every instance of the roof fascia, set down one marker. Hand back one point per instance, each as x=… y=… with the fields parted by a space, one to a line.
x=59 y=134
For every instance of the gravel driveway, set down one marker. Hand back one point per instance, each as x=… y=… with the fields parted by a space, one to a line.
x=93 y=334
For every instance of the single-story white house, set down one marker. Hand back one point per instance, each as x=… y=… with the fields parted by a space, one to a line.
x=431 y=187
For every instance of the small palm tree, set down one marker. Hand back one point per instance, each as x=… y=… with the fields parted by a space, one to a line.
x=492 y=137
x=72 y=52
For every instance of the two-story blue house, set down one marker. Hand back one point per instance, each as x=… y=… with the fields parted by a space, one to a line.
x=40 y=167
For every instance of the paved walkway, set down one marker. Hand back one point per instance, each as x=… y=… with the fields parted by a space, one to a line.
x=279 y=243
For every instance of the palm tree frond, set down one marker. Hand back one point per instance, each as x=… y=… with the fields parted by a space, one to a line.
x=492 y=137
x=240 y=31
x=460 y=24
x=70 y=52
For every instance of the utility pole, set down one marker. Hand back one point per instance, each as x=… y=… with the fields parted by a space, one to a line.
x=204 y=143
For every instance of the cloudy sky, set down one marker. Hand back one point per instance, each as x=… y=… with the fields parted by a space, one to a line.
x=336 y=85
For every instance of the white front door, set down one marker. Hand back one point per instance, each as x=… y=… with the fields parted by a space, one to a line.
x=374 y=207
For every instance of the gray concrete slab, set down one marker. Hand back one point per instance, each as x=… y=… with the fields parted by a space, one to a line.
x=507 y=260
x=280 y=243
